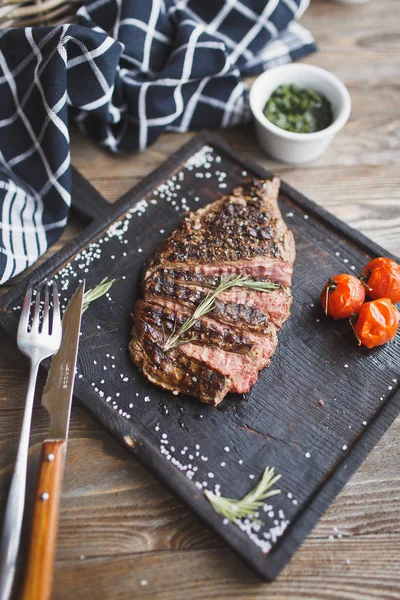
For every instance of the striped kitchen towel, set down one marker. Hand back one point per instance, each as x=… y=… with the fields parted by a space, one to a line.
x=129 y=70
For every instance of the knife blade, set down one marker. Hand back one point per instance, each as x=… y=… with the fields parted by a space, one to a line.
x=57 y=398
x=58 y=391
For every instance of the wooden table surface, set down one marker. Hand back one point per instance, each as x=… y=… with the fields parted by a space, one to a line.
x=122 y=535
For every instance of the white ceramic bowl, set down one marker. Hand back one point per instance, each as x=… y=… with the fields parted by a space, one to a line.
x=297 y=148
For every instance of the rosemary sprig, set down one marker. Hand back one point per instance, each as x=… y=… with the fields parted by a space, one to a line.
x=259 y=286
x=96 y=292
x=247 y=507
x=176 y=339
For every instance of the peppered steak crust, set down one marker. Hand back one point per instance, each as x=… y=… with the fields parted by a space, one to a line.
x=242 y=233
x=245 y=225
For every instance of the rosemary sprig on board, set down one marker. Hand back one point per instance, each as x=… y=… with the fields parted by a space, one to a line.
x=247 y=507
x=96 y=292
x=176 y=339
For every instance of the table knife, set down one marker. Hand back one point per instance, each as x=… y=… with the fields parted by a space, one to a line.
x=57 y=398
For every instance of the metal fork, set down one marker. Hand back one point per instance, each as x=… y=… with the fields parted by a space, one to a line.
x=38 y=341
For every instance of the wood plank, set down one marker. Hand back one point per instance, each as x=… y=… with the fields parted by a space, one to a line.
x=321 y=571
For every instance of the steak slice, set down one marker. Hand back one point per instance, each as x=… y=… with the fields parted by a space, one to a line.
x=225 y=312
x=224 y=350
x=275 y=305
x=242 y=371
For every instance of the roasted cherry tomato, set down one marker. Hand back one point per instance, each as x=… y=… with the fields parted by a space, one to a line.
x=382 y=279
x=342 y=296
x=377 y=322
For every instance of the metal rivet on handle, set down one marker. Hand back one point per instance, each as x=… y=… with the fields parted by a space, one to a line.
x=44 y=496
x=50 y=457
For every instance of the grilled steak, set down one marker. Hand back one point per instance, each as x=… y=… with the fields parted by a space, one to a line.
x=240 y=234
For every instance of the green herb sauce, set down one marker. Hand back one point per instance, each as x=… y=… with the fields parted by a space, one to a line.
x=298 y=110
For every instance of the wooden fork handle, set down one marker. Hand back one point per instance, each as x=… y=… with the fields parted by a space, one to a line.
x=39 y=575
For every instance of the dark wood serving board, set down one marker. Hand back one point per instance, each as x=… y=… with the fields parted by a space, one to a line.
x=280 y=423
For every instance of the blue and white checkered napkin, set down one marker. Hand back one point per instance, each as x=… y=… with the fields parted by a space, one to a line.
x=127 y=72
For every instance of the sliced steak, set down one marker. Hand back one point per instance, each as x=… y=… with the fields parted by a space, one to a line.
x=242 y=370
x=208 y=334
x=224 y=350
x=191 y=277
x=171 y=316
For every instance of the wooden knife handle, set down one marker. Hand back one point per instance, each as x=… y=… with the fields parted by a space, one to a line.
x=42 y=550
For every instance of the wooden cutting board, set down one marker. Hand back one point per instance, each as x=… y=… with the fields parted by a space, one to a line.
x=281 y=423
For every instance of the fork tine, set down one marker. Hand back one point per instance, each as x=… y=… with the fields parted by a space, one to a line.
x=56 y=325
x=45 y=321
x=36 y=310
x=25 y=310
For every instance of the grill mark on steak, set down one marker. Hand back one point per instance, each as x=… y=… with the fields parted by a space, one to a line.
x=241 y=234
x=189 y=277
